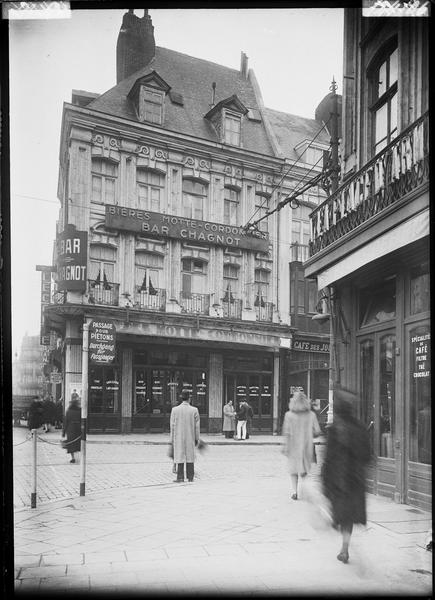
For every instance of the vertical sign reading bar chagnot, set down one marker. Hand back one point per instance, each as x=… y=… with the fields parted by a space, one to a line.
x=102 y=341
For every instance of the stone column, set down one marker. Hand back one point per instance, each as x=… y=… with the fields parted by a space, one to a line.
x=275 y=406
x=126 y=389
x=215 y=393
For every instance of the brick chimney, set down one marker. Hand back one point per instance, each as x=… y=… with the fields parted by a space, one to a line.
x=135 y=46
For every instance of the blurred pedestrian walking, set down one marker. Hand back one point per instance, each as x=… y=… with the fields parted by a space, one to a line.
x=229 y=419
x=299 y=427
x=184 y=425
x=72 y=427
x=344 y=468
x=242 y=417
x=35 y=414
x=49 y=413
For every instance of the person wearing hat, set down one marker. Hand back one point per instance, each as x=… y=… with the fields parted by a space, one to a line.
x=184 y=431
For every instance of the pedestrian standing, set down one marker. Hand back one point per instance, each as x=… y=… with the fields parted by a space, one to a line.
x=242 y=416
x=36 y=414
x=72 y=428
x=184 y=426
x=229 y=419
x=249 y=415
x=344 y=469
x=299 y=427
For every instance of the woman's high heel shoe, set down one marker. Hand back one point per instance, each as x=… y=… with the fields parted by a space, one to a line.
x=343 y=557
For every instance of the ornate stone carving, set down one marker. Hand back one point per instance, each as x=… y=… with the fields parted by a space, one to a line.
x=97 y=138
x=161 y=154
x=142 y=150
x=189 y=161
x=114 y=143
x=204 y=164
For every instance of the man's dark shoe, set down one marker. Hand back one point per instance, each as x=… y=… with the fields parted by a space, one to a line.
x=191 y=480
x=178 y=480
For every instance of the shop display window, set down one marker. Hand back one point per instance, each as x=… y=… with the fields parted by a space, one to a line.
x=104 y=390
x=378 y=303
x=420 y=292
x=387 y=395
x=420 y=432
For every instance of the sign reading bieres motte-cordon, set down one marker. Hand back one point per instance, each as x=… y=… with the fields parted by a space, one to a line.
x=72 y=255
x=190 y=230
x=102 y=341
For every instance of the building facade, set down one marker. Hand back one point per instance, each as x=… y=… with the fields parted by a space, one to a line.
x=157 y=178
x=27 y=369
x=369 y=248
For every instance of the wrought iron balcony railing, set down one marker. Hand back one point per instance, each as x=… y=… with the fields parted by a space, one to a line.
x=232 y=307
x=103 y=293
x=154 y=299
x=195 y=303
x=264 y=311
x=299 y=252
x=400 y=168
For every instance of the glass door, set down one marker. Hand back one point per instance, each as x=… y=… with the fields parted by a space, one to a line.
x=377 y=381
x=256 y=389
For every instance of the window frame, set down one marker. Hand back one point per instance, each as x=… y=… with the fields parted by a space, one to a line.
x=231 y=205
x=104 y=178
x=194 y=195
x=229 y=135
x=150 y=187
x=147 y=102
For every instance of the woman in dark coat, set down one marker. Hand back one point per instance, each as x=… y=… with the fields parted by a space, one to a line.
x=72 y=428
x=344 y=469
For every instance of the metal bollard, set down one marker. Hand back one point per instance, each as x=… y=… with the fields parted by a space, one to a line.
x=33 y=490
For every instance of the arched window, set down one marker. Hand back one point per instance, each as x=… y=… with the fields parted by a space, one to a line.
x=150 y=186
x=383 y=76
x=231 y=206
x=104 y=175
x=194 y=195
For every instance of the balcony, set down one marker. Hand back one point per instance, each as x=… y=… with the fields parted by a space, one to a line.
x=103 y=293
x=264 y=311
x=195 y=303
x=400 y=168
x=231 y=308
x=299 y=252
x=150 y=300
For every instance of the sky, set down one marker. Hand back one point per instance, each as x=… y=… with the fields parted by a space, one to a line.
x=294 y=54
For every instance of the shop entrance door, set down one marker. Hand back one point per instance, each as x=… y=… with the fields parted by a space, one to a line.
x=257 y=391
x=377 y=377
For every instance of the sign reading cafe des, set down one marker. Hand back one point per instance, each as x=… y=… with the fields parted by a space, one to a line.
x=190 y=230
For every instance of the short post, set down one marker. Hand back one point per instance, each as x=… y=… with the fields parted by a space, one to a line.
x=84 y=412
x=33 y=490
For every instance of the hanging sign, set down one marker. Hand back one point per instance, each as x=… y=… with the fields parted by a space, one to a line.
x=102 y=341
x=309 y=345
x=72 y=256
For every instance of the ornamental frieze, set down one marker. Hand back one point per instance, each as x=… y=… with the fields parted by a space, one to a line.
x=99 y=139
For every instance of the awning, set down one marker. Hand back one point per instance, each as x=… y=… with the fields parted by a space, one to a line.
x=407 y=232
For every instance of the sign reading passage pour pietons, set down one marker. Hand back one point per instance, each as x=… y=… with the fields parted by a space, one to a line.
x=102 y=341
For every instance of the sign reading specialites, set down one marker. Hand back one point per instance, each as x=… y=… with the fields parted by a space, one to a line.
x=102 y=341
x=190 y=230
x=72 y=255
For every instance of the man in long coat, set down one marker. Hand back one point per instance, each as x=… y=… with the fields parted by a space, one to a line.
x=184 y=436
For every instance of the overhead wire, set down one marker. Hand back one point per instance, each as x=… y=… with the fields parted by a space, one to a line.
x=290 y=168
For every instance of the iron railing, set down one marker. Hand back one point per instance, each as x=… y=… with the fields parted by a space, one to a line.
x=103 y=293
x=195 y=303
x=264 y=311
x=150 y=300
x=400 y=168
x=232 y=308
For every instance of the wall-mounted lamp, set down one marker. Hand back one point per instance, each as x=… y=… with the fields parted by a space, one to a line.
x=322 y=315
x=294 y=203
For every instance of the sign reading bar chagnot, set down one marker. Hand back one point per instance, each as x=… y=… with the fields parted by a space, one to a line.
x=102 y=341
x=190 y=230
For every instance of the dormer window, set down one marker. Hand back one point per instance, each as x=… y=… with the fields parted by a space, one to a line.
x=226 y=117
x=148 y=96
x=232 y=128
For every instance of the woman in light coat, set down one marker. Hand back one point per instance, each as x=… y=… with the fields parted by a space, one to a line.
x=229 y=424
x=299 y=427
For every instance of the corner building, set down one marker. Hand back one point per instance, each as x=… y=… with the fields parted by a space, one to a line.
x=157 y=177
x=370 y=247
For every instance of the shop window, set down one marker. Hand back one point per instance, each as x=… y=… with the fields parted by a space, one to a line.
x=420 y=292
x=387 y=395
x=194 y=196
x=104 y=175
x=367 y=365
x=383 y=77
x=378 y=304
x=150 y=186
x=231 y=206
x=420 y=432
x=104 y=390
x=262 y=202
